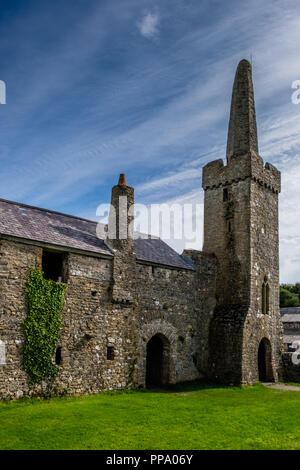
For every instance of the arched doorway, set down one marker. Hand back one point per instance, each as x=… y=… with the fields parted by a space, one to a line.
x=157 y=362
x=265 y=371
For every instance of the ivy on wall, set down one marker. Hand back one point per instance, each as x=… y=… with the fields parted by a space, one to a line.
x=44 y=302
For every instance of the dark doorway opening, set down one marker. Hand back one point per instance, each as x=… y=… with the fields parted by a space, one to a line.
x=265 y=371
x=262 y=370
x=157 y=365
x=52 y=265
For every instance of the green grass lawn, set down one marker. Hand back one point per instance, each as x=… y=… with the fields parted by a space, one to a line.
x=295 y=384
x=190 y=416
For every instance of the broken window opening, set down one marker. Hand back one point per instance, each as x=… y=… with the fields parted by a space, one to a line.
x=52 y=265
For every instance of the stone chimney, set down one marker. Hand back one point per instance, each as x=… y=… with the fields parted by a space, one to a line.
x=120 y=241
x=121 y=217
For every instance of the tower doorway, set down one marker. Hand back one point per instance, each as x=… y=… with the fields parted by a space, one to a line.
x=265 y=371
x=157 y=362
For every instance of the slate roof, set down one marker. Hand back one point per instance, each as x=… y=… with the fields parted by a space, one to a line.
x=157 y=251
x=290 y=338
x=290 y=314
x=54 y=228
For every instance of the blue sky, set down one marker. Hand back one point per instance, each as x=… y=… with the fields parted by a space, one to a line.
x=96 y=88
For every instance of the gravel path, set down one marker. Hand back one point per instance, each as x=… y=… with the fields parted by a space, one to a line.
x=293 y=388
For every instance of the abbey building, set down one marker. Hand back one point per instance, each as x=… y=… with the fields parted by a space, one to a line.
x=137 y=313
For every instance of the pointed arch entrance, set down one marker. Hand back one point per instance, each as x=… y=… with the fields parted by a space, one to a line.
x=264 y=358
x=157 y=361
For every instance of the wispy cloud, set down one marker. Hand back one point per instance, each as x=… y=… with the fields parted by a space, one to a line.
x=89 y=98
x=148 y=24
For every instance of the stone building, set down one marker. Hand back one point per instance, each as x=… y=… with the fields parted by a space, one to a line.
x=290 y=317
x=136 y=312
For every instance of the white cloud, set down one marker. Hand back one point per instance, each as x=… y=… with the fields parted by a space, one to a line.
x=171 y=180
x=148 y=25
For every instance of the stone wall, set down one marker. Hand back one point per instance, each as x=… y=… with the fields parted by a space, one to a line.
x=91 y=324
x=177 y=304
x=15 y=258
x=174 y=303
x=264 y=265
x=290 y=372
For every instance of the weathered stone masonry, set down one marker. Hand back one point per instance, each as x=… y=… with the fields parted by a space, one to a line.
x=138 y=314
x=241 y=229
x=93 y=322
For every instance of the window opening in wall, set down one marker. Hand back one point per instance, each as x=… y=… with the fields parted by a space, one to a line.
x=225 y=194
x=52 y=265
x=58 y=356
x=194 y=357
x=265 y=296
x=110 y=354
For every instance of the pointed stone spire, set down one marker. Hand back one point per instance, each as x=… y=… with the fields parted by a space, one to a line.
x=242 y=132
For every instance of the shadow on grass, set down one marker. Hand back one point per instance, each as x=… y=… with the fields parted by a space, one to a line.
x=191 y=386
x=182 y=387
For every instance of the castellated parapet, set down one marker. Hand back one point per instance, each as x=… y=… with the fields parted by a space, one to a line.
x=239 y=168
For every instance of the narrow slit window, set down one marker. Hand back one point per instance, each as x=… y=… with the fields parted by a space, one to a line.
x=225 y=194
x=58 y=356
x=265 y=296
x=263 y=299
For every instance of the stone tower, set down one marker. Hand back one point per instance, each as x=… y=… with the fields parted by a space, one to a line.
x=241 y=229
